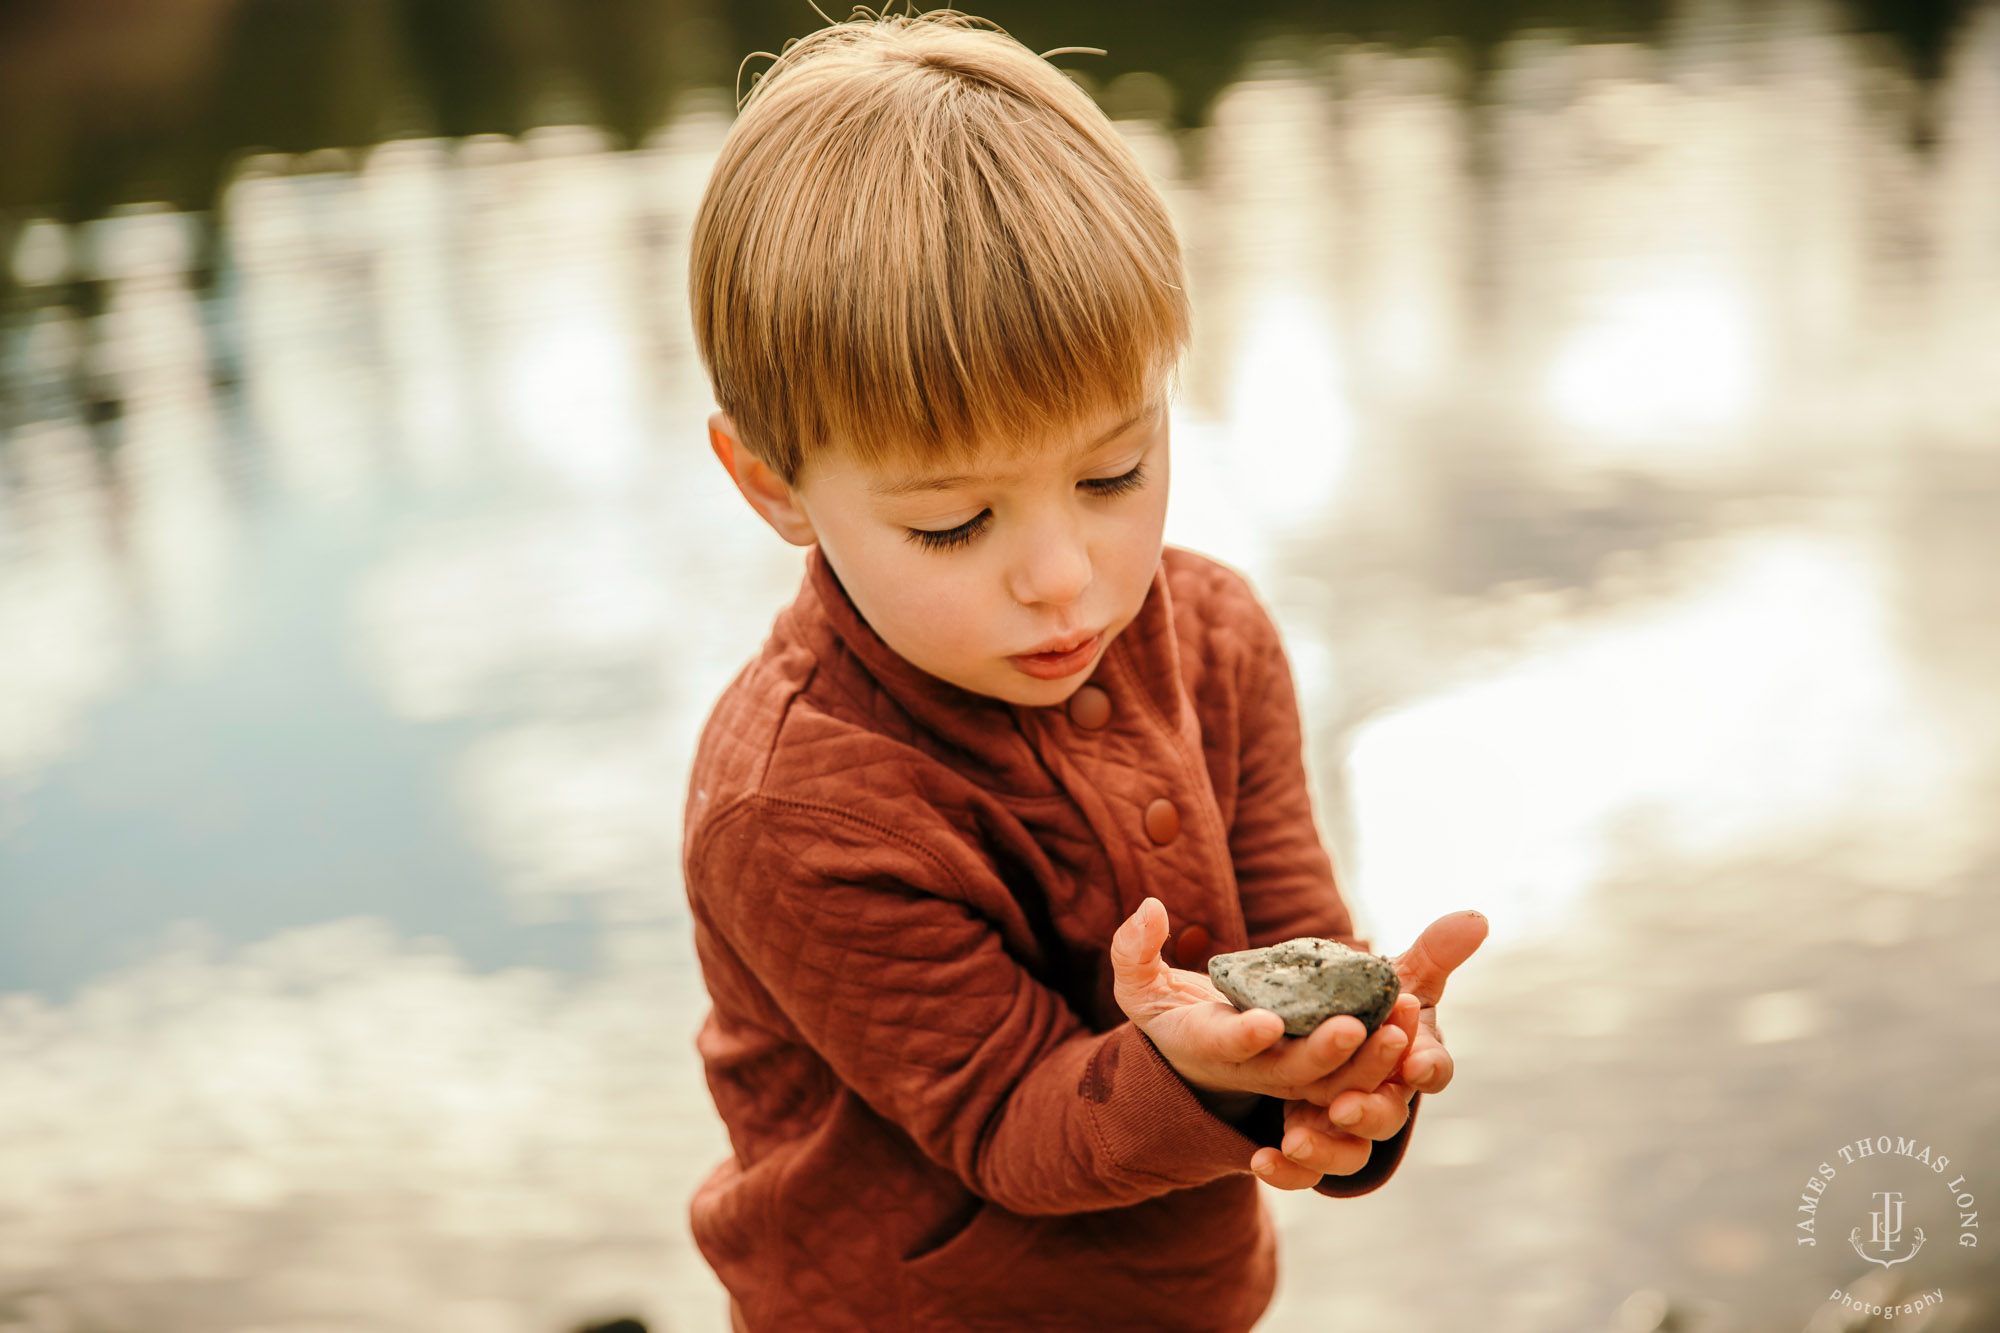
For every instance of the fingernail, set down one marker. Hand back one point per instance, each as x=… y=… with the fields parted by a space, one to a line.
x=1261 y=1168
x=1295 y=1146
x=1351 y=1115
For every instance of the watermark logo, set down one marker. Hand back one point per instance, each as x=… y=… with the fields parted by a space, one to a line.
x=1899 y=1160
x=1888 y=1230
x=1862 y=1302
x=1887 y=1195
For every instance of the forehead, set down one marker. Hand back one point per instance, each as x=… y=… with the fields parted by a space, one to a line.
x=898 y=479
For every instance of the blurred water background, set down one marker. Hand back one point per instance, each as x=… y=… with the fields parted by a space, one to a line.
x=1605 y=396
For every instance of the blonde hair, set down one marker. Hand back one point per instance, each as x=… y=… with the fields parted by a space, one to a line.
x=920 y=240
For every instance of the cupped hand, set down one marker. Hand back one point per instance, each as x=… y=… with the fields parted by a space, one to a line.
x=1218 y=1049
x=1336 y=1139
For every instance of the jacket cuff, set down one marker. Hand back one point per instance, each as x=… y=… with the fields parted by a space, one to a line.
x=1149 y=1121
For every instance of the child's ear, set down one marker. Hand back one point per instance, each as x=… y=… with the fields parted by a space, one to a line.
x=764 y=489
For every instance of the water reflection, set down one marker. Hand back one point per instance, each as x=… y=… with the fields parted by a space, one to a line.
x=1617 y=452
x=61 y=603
x=1767 y=710
x=333 y=1128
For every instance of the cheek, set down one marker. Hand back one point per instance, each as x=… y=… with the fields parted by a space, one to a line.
x=1140 y=535
x=1157 y=506
x=932 y=608
x=921 y=604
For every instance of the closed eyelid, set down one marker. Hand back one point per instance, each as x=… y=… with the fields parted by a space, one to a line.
x=1102 y=488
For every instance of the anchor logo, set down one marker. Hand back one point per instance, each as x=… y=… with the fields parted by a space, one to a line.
x=1888 y=1229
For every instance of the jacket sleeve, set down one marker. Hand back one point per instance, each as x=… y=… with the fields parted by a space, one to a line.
x=865 y=940
x=1284 y=876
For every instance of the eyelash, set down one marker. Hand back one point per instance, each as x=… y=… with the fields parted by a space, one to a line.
x=951 y=538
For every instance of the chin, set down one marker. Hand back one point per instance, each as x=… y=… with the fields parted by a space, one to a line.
x=1014 y=688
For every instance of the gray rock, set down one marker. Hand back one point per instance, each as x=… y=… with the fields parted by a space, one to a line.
x=1306 y=981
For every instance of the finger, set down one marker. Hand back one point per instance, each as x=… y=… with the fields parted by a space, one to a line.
x=1446 y=942
x=1310 y=1141
x=1326 y=1151
x=1371 y=1059
x=1209 y=1041
x=1402 y=1016
x=1274 y=1168
x=1429 y=1066
x=1249 y=1033
x=1376 y=1115
x=1305 y=1060
x=1407 y=1014
x=1136 y=965
x=1427 y=1021
x=1367 y=1069
x=1135 y=948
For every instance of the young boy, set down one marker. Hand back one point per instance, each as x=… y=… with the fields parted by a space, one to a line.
x=1002 y=747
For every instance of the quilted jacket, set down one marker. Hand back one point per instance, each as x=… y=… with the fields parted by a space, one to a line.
x=903 y=896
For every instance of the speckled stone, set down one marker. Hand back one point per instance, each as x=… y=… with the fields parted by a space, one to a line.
x=1306 y=981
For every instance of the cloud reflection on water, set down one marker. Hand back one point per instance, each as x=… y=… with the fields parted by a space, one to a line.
x=1767 y=710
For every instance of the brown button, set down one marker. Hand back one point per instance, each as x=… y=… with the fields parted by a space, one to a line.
x=1090 y=707
x=1193 y=949
x=1162 y=821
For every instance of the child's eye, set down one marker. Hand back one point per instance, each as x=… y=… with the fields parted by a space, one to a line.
x=951 y=538
x=1118 y=485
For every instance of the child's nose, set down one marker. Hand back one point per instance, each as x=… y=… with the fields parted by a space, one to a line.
x=1054 y=568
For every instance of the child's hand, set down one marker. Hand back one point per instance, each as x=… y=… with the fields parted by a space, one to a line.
x=1218 y=1049
x=1337 y=1139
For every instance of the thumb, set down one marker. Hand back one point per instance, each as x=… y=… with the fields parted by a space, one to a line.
x=1446 y=942
x=1135 y=949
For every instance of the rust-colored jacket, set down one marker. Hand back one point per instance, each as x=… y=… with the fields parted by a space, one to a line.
x=904 y=895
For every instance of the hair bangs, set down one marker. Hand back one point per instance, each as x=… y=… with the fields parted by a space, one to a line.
x=922 y=242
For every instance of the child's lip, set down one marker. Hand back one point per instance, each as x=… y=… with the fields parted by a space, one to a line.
x=1056 y=665
x=1067 y=643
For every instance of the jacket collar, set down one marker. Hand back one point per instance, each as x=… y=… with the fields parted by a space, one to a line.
x=992 y=734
